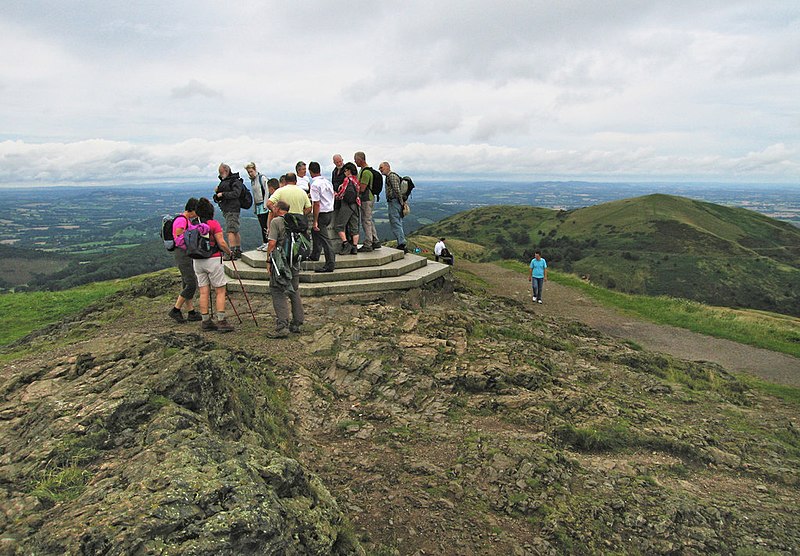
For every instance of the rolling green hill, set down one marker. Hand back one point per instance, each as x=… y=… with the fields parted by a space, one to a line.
x=655 y=245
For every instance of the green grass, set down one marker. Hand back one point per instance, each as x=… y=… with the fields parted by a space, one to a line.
x=788 y=394
x=756 y=328
x=27 y=311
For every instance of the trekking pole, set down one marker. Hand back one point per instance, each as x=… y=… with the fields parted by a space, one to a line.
x=234 y=309
x=246 y=297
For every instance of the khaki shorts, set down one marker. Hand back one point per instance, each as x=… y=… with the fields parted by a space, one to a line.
x=210 y=271
x=231 y=222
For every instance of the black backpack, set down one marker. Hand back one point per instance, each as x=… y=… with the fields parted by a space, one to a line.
x=166 y=231
x=377 y=182
x=245 y=197
x=198 y=246
x=406 y=187
x=297 y=244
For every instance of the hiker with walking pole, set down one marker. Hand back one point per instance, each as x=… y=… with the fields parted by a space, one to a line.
x=205 y=243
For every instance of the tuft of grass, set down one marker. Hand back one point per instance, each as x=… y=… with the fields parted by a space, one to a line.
x=59 y=484
x=747 y=326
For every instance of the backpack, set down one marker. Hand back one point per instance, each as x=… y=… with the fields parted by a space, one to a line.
x=406 y=186
x=166 y=231
x=350 y=194
x=297 y=244
x=198 y=244
x=245 y=197
x=377 y=182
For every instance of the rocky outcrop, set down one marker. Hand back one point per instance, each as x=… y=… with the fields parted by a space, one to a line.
x=440 y=421
x=156 y=445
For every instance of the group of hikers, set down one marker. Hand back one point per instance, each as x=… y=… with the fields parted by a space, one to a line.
x=344 y=203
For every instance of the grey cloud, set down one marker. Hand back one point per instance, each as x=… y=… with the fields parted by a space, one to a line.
x=195 y=89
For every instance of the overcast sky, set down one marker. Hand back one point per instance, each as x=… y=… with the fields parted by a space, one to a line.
x=130 y=91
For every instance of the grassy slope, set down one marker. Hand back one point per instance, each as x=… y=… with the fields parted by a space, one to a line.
x=656 y=245
x=27 y=311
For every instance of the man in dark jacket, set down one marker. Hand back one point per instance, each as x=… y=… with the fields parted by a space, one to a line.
x=227 y=195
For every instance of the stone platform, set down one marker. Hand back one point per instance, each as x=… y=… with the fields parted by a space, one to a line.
x=383 y=269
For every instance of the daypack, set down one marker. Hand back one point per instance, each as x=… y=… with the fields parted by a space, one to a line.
x=198 y=242
x=245 y=197
x=377 y=182
x=406 y=186
x=296 y=244
x=166 y=231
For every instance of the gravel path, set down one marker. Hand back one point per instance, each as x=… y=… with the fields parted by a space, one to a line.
x=562 y=301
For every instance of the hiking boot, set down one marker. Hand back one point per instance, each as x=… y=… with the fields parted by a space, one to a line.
x=176 y=315
x=354 y=250
x=402 y=247
x=324 y=269
x=365 y=249
x=208 y=326
x=227 y=257
x=193 y=316
x=345 y=249
x=237 y=252
x=224 y=326
x=376 y=245
x=279 y=333
x=296 y=328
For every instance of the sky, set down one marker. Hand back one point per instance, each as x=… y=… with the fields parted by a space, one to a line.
x=96 y=92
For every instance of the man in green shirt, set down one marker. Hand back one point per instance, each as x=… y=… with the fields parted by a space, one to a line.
x=367 y=204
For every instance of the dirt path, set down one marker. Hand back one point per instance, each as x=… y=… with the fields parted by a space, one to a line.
x=561 y=301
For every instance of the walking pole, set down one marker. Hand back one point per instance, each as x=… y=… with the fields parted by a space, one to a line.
x=234 y=309
x=246 y=297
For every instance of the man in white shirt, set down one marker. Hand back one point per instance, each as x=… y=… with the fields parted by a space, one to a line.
x=322 y=208
x=438 y=248
x=302 y=178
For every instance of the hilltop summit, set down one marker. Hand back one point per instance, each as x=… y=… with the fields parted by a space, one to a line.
x=443 y=420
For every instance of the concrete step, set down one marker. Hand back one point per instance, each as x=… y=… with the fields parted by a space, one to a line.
x=392 y=268
x=412 y=279
x=384 y=255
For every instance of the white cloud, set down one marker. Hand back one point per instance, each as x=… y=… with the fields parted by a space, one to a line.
x=568 y=88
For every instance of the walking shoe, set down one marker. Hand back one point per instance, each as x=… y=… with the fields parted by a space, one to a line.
x=295 y=328
x=237 y=252
x=193 y=316
x=376 y=245
x=279 y=333
x=208 y=325
x=345 y=248
x=324 y=269
x=534 y=298
x=354 y=250
x=176 y=315
x=262 y=247
x=224 y=326
x=539 y=300
x=365 y=249
x=229 y=257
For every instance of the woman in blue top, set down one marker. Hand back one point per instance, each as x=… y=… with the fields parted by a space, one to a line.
x=538 y=275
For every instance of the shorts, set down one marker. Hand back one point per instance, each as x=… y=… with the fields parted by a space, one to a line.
x=346 y=219
x=210 y=271
x=231 y=222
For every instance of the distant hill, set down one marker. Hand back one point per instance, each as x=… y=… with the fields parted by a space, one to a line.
x=656 y=245
x=21 y=265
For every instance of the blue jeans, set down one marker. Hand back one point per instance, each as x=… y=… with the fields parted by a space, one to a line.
x=537 y=284
x=395 y=209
